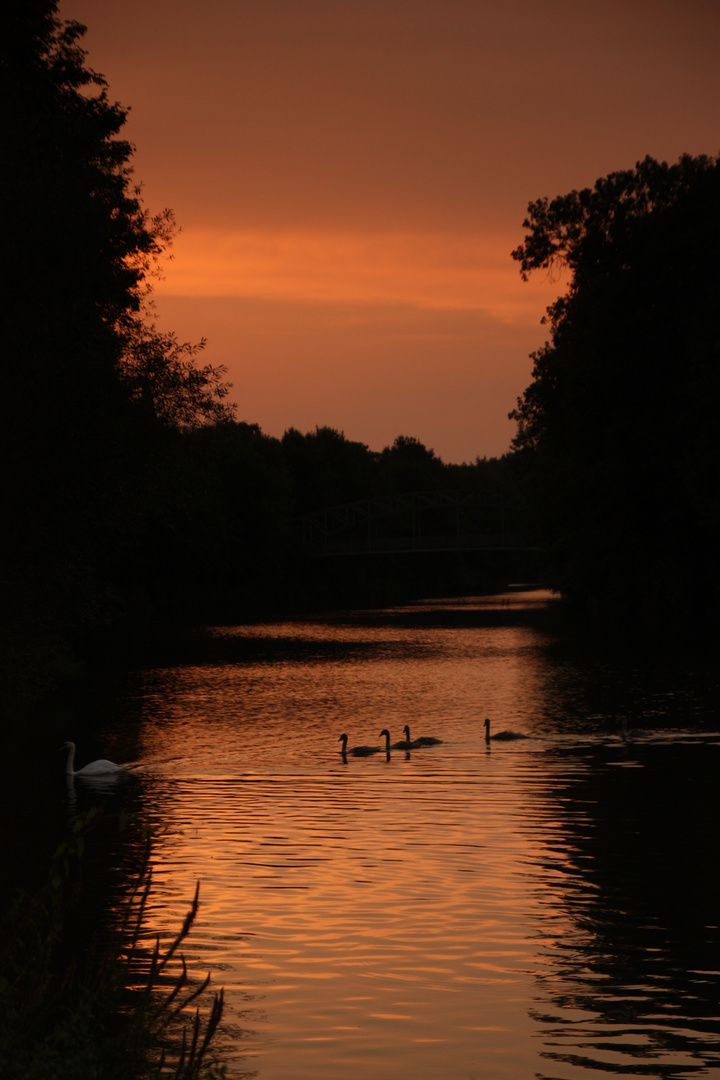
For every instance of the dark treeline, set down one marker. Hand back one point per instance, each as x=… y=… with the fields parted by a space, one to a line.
x=618 y=424
x=132 y=498
x=239 y=550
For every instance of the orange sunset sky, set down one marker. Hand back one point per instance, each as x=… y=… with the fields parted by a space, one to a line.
x=350 y=178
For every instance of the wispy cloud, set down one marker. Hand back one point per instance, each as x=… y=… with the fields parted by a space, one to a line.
x=424 y=270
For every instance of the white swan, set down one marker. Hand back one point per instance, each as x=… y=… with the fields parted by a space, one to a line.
x=502 y=736
x=357 y=751
x=102 y=767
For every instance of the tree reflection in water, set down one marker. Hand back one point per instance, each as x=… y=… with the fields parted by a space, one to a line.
x=639 y=978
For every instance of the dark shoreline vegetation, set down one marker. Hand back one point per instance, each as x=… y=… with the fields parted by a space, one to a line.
x=76 y=1003
x=136 y=506
x=624 y=458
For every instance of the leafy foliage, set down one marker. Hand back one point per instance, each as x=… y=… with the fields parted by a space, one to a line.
x=162 y=376
x=326 y=467
x=71 y=1009
x=617 y=414
x=92 y=393
x=408 y=465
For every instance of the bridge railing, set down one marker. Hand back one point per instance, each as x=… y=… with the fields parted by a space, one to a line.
x=416 y=521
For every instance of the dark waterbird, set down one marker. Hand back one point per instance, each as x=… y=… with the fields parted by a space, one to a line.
x=502 y=736
x=407 y=743
x=357 y=751
x=423 y=740
x=402 y=745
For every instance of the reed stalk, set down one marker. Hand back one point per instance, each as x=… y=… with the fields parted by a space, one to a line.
x=114 y=1010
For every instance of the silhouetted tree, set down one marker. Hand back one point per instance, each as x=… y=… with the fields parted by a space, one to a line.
x=618 y=415
x=163 y=378
x=87 y=387
x=230 y=536
x=408 y=465
x=326 y=468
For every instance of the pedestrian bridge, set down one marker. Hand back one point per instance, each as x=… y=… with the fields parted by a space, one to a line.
x=419 y=521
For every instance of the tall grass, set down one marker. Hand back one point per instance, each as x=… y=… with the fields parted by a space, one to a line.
x=76 y=1006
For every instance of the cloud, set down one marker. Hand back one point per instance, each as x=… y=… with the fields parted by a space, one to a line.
x=434 y=270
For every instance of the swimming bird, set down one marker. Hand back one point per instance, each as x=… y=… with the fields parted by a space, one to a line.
x=402 y=745
x=407 y=743
x=423 y=740
x=102 y=767
x=502 y=736
x=357 y=751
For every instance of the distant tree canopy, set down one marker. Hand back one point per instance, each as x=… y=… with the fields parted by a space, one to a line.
x=619 y=415
x=409 y=465
x=326 y=468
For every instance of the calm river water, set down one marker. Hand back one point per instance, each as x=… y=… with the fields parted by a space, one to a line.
x=547 y=907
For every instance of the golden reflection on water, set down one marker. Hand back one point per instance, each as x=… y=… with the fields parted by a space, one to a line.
x=374 y=919
x=378 y=917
